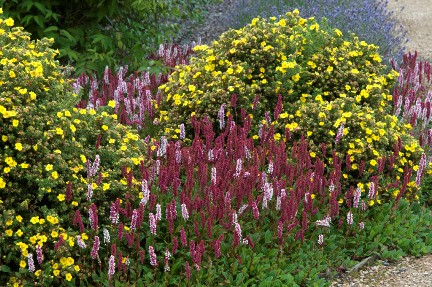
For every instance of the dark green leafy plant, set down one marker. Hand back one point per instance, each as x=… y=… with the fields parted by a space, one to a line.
x=94 y=34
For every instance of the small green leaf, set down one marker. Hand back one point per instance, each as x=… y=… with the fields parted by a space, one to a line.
x=5 y=268
x=51 y=29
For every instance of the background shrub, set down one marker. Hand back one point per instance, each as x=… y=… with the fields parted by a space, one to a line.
x=94 y=34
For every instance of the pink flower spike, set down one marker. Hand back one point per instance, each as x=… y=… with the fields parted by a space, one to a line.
x=349 y=218
x=152 y=223
x=153 y=260
x=39 y=254
x=111 y=267
x=185 y=213
x=95 y=249
x=30 y=261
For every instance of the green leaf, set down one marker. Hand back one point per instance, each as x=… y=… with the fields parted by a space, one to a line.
x=40 y=21
x=51 y=29
x=40 y=7
x=66 y=34
x=95 y=277
x=5 y=268
x=268 y=237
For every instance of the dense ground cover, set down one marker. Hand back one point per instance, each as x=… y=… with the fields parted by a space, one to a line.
x=219 y=204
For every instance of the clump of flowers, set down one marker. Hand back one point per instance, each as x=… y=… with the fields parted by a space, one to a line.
x=294 y=74
x=291 y=56
x=53 y=157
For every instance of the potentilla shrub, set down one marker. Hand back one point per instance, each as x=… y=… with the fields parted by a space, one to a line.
x=293 y=73
x=54 y=157
x=370 y=20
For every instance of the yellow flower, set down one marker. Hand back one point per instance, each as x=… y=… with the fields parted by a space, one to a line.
x=282 y=23
x=76 y=268
x=59 y=131
x=105 y=127
x=9 y=22
x=72 y=128
x=23 y=264
x=9 y=232
x=68 y=277
x=48 y=167
x=19 y=218
x=112 y=104
x=18 y=146
x=56 y=272
x=2 y=183
x=191 y=88
x=54 y=174
x=15 y=123
x=312 y=154
x=54 y=234
x=19 y=233
x=61 y=197
x=34 y=219
x=24 y=165
x=296 y=77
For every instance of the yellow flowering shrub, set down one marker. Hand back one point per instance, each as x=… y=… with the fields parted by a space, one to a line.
x=326 y=84
x=291 y=56
x=47 y=147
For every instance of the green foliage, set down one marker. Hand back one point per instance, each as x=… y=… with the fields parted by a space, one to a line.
x=317 y=83
x=94 y=34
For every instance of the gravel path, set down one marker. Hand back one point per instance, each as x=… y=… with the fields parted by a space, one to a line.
x=407 y=272
x=416 y=17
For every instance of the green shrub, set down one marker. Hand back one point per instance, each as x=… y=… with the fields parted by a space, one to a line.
x=93 y=34
x=47 y=148
x=325 y=84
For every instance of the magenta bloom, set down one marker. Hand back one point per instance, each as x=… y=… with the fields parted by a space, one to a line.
x=39 y=254
x=95 y=249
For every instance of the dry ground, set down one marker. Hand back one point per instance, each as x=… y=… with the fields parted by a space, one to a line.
x=416 y=17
